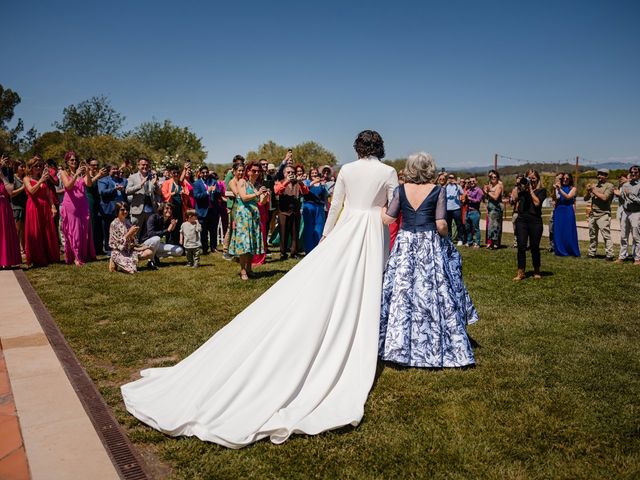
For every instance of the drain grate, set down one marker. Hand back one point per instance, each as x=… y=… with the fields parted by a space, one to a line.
x=126 y=459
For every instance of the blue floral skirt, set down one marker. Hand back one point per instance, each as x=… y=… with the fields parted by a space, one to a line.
x=425 y=304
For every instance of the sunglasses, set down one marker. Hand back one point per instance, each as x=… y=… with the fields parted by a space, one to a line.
x=124 y=210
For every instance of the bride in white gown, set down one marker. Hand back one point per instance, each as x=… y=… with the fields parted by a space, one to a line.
x=280 y=367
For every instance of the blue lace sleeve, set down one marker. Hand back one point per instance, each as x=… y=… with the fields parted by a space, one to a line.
x=393 y=210
x=441 y=206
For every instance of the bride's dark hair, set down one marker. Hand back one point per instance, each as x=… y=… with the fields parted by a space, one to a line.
x=369 y=143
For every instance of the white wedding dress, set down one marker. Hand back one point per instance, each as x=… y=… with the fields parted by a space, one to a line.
x=302 y=357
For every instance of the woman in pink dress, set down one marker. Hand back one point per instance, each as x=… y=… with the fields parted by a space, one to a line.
x=40 y=236
x=75 y=221
x=9 y=243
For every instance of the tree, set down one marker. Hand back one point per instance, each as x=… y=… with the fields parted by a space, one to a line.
x=91 y=117
x=310 y=154
x=11 y=139
x=174 y=144
x=8 y=102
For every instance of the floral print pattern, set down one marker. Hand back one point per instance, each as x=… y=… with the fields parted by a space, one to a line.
x=123 y=253
x=425 y=304
x=494 y=223
x=246 y=235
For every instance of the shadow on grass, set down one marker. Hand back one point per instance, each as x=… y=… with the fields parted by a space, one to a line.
x=268 y=273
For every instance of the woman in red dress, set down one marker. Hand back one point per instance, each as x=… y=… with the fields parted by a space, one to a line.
x=9 y=244
x=41 y=240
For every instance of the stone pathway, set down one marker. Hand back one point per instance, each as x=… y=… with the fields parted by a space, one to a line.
x=45 y=432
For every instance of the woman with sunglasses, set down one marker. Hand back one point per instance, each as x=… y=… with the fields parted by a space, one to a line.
x=493 y=192
x=75 y=220
x=263 y=207
x=40 y=237
x=246 y=235
x=565 y=230
x=122 y=241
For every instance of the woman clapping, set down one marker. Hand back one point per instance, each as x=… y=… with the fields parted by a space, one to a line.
x=565 y=234
x=246 y=235
x=74 y=212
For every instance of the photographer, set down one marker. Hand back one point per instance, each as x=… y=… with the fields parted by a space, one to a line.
x=142 y=186
x=289 y=190
x=529 y=222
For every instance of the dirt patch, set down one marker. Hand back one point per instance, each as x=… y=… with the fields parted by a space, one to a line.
x=152 y=362
x=156 y=467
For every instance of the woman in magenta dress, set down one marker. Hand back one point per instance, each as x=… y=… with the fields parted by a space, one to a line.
x=40 y=236
x=75 y=221
x=9 y=243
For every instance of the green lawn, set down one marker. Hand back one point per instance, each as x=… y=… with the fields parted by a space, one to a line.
x=555 y=393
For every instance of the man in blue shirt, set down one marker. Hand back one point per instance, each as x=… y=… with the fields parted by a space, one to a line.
x=454 y=195
x=111 y=190
x=206 y=193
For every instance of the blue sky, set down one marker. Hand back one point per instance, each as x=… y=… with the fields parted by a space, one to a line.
x=543 y=81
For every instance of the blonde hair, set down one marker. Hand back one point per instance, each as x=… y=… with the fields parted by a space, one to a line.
x=420 y=168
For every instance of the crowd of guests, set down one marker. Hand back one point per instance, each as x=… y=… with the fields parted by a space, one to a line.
x=464 y=199
x=86 y=209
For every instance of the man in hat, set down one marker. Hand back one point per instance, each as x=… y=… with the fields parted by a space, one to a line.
x=601 y=195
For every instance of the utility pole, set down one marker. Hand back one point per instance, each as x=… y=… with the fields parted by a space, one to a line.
x=577 y=171
x=495 y=162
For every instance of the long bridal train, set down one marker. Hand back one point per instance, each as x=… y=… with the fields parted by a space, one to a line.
x=302 y=357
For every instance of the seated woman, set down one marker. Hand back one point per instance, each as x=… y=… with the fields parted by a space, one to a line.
x=122 y=240
x=425 y=304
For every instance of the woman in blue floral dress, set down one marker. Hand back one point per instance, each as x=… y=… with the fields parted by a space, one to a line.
x=246 y=235
x=425 y=304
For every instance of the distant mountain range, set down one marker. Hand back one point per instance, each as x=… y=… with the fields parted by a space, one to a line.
x=609 y=165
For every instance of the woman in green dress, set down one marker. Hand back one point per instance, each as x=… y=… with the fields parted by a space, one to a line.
x=246 y=235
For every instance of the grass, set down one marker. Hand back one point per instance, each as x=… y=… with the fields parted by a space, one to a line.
x=554 y=393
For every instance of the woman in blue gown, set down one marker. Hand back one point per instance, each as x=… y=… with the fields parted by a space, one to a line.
x=425 y=304
x=565 y=231
x=314 y=211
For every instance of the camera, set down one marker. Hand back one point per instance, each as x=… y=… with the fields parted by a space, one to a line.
x=524 y=181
